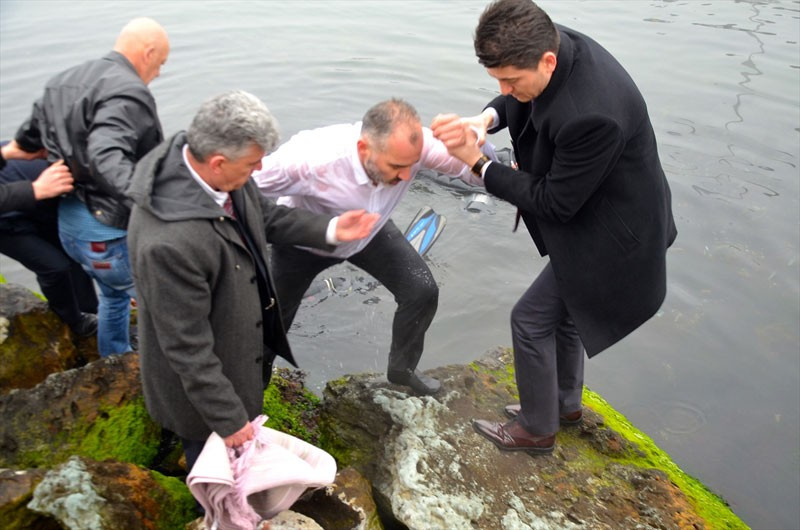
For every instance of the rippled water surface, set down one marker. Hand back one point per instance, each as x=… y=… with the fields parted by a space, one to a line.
x=714 y=378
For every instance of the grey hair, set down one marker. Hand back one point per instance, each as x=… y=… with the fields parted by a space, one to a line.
x=383 y=118
x=229 y=124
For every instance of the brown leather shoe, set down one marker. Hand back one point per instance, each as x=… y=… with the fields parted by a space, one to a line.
x=513 y=437
x=573 y=418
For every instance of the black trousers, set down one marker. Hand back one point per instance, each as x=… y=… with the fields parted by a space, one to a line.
x=391 y=260
x=548 y=356
x=68 y=289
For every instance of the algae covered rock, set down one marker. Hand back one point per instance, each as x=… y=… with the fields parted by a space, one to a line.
x=95 y=411
x=430 y=470
x=84 y=494
x=34 y=342
x=16 y=490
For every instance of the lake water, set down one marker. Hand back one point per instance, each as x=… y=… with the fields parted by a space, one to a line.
x=714 y=378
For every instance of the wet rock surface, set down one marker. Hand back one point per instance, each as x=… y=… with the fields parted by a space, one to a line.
x=34 y=342
x=78 y=450
x=431 y=470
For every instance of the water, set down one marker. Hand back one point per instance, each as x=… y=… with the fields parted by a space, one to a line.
x=714 y=378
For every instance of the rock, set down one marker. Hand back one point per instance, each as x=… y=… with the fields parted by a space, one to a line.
x=286 y=520
x=30 y=331
x=16 y=489
x=82 y=494
x=430 y=470
x=96 y=411
x=345 y=505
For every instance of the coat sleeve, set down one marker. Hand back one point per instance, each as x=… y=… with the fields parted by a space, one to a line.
x=183 y=289
x=17 y=196
x=113 y=142
x=585 y=152
x=294 y=226
x=29 y=135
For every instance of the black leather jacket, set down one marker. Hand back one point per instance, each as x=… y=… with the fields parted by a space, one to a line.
x=101 y=119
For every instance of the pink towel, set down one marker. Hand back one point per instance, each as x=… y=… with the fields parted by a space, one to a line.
x=262 y=479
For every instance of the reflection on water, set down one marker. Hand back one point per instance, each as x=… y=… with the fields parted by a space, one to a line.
x=714 y=378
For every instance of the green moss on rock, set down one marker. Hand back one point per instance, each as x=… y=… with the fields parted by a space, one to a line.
x=177 y=500
x=640 y=451
x=291 y=407
x=125 y=433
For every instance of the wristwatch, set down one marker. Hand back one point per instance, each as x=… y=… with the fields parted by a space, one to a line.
x=482 y=161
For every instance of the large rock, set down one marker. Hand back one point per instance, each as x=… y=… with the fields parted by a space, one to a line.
x=34 y=342
x=16 y=490
x=95 y=411
x=82 y=494
x=430 y=470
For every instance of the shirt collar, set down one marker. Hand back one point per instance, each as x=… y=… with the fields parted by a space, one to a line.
x=219 y=196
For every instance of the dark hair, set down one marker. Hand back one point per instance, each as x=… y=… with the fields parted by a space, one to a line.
x=383 y=118
x=514 y=33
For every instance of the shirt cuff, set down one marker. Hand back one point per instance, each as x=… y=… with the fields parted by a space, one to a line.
x=330 y=234
x=495 y=117
x=483 y=169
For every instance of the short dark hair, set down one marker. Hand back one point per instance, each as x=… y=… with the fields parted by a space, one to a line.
x=514 y=33
x=381 y=120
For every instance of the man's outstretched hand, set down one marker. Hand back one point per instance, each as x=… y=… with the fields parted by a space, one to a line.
x=355 y=224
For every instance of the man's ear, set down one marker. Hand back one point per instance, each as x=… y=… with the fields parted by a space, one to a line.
x=362 y=146
x=550 y=61
x=215 y=161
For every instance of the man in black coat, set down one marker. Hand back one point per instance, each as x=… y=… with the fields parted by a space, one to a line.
x=592 y=193
x=100 y=118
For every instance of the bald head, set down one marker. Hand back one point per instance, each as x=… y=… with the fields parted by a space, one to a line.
x=144 y=42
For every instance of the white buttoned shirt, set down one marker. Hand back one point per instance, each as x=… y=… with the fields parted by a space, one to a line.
x=319 y=170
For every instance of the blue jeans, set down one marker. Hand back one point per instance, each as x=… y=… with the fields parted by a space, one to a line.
x=107 y=262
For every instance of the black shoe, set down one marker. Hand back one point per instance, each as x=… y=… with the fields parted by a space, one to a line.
x=419 y=382
x=86 y=326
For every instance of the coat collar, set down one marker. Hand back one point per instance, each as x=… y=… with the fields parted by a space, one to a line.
x=565 y=62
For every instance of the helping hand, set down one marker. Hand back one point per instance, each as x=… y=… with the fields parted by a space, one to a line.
x=53 y=181
x=355 y=224
x=461 y=136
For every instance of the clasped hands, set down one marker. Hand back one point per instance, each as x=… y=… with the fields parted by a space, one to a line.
x=463 y=137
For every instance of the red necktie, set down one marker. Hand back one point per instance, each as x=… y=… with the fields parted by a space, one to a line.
x=228 y=207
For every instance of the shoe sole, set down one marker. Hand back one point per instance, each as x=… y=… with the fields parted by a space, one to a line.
x=560 y=420
x=530 y=450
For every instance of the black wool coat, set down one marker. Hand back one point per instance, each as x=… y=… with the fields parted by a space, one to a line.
x=591 y=190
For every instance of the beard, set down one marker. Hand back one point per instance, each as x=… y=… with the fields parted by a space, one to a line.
x=371 y=169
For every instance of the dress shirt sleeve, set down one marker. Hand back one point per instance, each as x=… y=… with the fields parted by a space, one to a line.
x=436 y=157
x=284 y=172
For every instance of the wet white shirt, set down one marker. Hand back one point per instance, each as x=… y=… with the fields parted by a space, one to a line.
x=319 y=170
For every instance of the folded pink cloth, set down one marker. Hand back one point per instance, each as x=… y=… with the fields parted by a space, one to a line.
x=263 y=478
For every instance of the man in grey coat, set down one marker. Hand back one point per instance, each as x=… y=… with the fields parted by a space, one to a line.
x=209 y=323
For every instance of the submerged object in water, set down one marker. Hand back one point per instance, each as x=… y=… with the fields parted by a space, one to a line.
x=425 y=229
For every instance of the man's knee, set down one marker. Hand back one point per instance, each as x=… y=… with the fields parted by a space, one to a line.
x=526 y=324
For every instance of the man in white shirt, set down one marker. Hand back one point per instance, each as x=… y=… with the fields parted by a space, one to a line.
x=365 y=165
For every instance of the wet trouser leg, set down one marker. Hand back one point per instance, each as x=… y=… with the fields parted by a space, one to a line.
x=391 y=260
x=548 y=356
x=293 y=269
